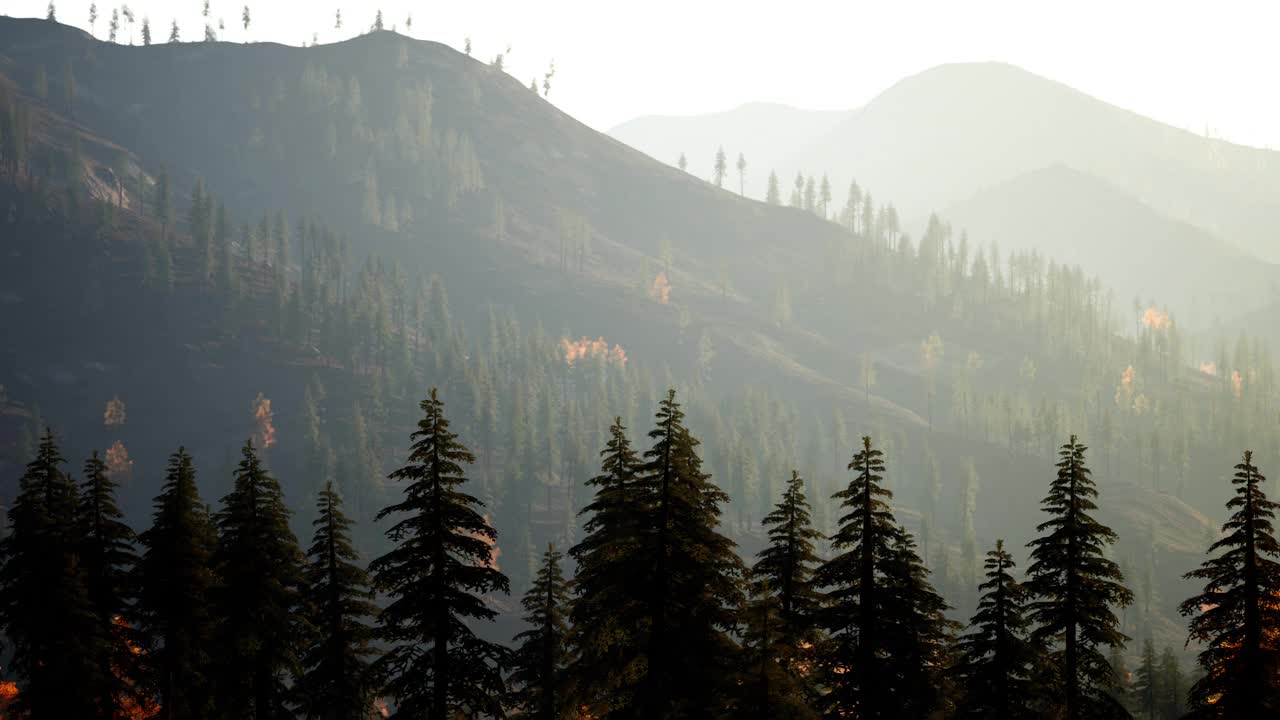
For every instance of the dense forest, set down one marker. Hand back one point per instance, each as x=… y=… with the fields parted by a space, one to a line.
x=642 y=502
x=220 y=613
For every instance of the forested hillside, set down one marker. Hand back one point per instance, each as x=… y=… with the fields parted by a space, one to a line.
x=206 y=243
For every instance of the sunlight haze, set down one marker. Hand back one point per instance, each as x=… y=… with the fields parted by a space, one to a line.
x=1194 y=65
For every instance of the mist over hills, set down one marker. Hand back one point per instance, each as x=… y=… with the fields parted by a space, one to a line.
x=790 y=336
x=935 y=140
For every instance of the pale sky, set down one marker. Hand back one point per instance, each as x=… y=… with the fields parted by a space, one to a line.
x=1189 y=64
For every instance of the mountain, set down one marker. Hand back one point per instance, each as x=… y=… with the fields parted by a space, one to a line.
x=934 y=140
x=936 y=137
x=390 y=214
x=1072 y=217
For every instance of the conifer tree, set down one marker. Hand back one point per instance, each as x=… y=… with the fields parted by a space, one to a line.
x=767 y=689
x=337 y=682
x=884 y=622
x=1146 y=686
x=540 y=679
x=605 y=589
x=773 y=195
x=45 y=610
x=721 y=167
x=436 y=575
x=1236 y=617
x=175 y=579
x=692 y=577
x=1172 y=701
x=995 y=660
x=786 y=565
x=106 y=548
x=262 y=570
x=1075 y=588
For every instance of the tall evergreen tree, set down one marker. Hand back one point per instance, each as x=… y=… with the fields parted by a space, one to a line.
x=540 y=678
x=1146 y=686
x=995 y=660
x=605 y=589
x=692 y=576
x=106 y=548
x=767 y=689
x=1237 y=617
x=786 y=566
x=773 y=194
x=436 y=577
x=1172 y=702
x=337 y=682
x=882 y=657
x=45 y=610
x=175 y=579
x=261 y=635
x=1075 y=588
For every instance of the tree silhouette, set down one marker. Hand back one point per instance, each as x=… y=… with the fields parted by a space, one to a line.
x=540 y=680
x=259 y=601
x=175 y=579
x=884 y=624
x=1237 y=617
x=1075 y=587
x=436 y=574
x=45 y=609
x=337 y=681
x=995 y=660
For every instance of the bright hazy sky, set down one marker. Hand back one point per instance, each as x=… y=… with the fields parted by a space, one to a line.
x=1190 y=64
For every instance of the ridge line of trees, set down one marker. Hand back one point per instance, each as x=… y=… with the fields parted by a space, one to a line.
x=221 y=614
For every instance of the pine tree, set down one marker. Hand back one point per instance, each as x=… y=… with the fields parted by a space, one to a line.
x=540 y=679
x=163 y=204
x=692 y=577
x=721 y=167
x=436 y=575
x=884 y=623
x=262 y=571
x=106 y=548
x=605 y=590
x=1237 y=617
x=1075 y=587
x=786 y=565
x=175 y=579
x=1146 y=686
x=338 y=682
x=45 y=610
x=773 y=195
x=1172 y=702
x=995 y=660
x=1119 y=686
x=918 y=635
x=767 y=689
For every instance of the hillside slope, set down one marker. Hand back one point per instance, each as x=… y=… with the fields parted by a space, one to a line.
x=935 y=139
x=421 y=161
x=1072 y=217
